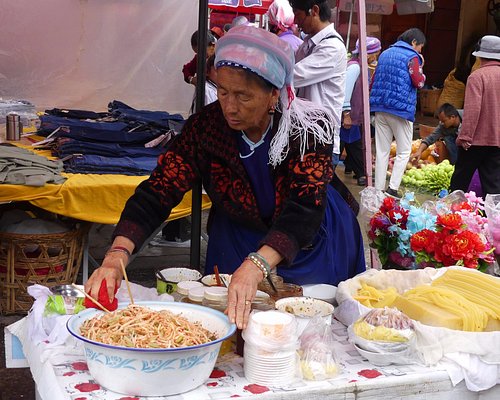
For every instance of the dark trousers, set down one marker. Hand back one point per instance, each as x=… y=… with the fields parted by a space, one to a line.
x=354 y=158
x=486 y=159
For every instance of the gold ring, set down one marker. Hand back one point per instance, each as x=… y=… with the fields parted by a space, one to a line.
x=247 y=302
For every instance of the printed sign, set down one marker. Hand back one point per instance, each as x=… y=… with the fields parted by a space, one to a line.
x=235 y=3
x=372 y=6
x=227 y=3
x=252 y=3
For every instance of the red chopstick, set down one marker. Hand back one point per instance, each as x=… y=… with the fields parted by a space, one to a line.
x=217 y=276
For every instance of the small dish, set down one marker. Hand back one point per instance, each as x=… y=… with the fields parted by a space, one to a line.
x=304 y=309
x=209 y=280
x=173 y=276
x=321 y=291
x=383 y=359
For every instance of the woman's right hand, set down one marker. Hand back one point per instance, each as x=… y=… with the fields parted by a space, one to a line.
x=110 y=270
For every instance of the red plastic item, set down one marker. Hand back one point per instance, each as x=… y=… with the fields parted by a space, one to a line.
x=102 y=298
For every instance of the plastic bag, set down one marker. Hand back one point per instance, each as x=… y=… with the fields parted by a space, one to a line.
x=271 y=332
x=63 y=305
x=318 y=359
x=492 y=208
x=371 y=199
x=382 y=330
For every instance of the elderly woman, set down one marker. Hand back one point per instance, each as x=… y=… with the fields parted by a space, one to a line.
x=267 y=173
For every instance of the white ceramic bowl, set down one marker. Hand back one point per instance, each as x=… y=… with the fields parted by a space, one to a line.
x=383 y=359
x=155 y=372
x=210 y=280
x=321 y=291
x=173 y=276
x=304 y=309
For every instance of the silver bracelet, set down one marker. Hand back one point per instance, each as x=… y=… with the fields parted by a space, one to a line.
x=258 y=262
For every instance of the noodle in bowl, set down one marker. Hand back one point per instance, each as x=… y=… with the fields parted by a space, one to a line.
x=154 y=371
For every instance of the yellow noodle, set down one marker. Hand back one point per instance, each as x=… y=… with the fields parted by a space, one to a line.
x=474 y=317
x=141 y=327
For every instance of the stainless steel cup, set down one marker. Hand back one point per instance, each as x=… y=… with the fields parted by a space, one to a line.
x=14 y=127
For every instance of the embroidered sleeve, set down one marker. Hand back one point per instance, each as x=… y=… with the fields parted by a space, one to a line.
x=155 y=197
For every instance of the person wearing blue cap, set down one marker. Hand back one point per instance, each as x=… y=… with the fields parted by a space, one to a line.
x=352 y=110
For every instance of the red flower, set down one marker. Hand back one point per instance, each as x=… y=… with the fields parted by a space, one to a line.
x=464 y=246
x=387 y=204
x=217 y=373
x=369 y=373
x=462 y=206
x=398 y=216
x=381 y=222
x=87 y=387
x=423 y=240
x=256 y=389
x=80 y=366
x=451 y=222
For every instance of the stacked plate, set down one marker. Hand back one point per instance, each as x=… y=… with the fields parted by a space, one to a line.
x=271 y=369
x=271 y=342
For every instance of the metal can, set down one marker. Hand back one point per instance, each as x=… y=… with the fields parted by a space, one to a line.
x=14 y=127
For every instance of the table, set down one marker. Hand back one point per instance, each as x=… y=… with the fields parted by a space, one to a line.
x=60 y=373
x=87 y=197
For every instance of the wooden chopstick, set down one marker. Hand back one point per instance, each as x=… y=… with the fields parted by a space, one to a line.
x=126 y=281
x=217 y=276
x=88 y=296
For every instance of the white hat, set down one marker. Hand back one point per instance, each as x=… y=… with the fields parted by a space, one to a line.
x=488 y=47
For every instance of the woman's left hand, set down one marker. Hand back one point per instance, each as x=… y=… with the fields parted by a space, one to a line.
x=242 y=290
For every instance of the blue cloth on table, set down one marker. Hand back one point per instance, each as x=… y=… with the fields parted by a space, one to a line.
x=113 y=132
x=72 y=146
x=123 y=112
x=93 y=164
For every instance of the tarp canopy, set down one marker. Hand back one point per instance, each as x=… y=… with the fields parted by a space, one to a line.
x=81 y=54
x=241 y=6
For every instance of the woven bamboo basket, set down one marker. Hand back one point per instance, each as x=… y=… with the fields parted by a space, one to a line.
x=46 y=259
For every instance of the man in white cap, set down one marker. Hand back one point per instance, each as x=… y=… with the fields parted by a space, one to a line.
x=479 y=138
x=321 y=61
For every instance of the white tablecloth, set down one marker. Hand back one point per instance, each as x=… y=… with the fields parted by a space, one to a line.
x=61 y=373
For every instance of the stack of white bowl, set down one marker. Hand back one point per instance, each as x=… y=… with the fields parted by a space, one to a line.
x=270 y=353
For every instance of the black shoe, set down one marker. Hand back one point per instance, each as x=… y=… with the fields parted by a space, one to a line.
x=362 y=181
x=348 y=171
x=393 y=193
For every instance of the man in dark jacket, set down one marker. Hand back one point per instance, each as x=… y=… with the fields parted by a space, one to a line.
x=450 y=121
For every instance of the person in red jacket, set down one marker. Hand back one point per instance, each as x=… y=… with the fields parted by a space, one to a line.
x=189 y=69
